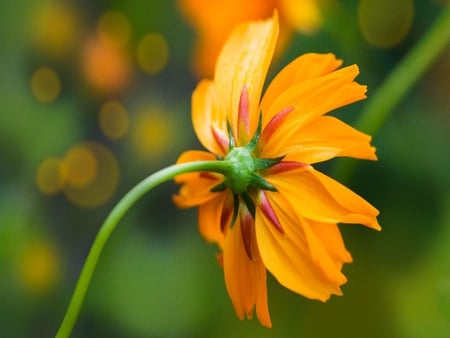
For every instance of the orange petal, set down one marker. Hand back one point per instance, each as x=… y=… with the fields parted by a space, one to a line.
x=305 y=67
x=300 y=232
x=289 y=256
x=207 y=115
x=196 y=186
x=310 y=100
x=361 y=211
x=244 y=60
x=324 y=138
x=331 y=238
x=245 y=278
x=210 y=220
x=319 y=198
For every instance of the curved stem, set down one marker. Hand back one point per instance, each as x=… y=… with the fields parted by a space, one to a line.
x=110 y=223
x=399 y=82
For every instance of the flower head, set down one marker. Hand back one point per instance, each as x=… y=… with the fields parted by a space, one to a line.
x=274 y=212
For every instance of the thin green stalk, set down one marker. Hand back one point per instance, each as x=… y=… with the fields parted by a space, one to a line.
x=399 y=82
x=110 y=223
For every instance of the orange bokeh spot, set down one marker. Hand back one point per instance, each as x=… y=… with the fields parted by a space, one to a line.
x=106 y=69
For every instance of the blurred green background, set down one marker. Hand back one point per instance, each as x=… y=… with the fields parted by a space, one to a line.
x=95 y=96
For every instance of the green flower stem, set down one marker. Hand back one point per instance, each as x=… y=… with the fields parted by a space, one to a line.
x=399 y=82
x=111 y=221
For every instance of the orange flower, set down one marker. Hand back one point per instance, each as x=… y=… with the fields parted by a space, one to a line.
x=275 y=211
x=214 y=20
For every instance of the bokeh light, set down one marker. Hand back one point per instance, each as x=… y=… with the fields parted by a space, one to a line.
x=49 y=178
x=80 y=166
x=302 y=15
x=92 y=175
x=152 y=53
x=114 y=29
x=152 y=132
x=56 y=28
x=45 y=84
x=385 y=23
x=38 y=266
x=113 y=119
x=105 y=68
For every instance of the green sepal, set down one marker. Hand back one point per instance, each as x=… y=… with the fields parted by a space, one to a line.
x=235 y=209
x=254 y=141
x=219 y=187
x=248 y=203
x=260 y=182
x=231 y=141
x=264 y=163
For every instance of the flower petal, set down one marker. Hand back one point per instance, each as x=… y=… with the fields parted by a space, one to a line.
x=330 y=235
x=301 y=233
x=196 y=186
x=244 y=60
x=289 y=257
x=362 y=211
x=207 y=116
x=305 y=67
x=327 y=137
x=211 y=216
x=310 y=100
x=320 y=198
x=245 y=278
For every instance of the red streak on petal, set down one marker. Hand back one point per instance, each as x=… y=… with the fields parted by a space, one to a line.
x=247 y=224
x=221 y=138
x=243 y=117
x=268 y=211
x=285 y=166
x=273 y=125
x=227 y=213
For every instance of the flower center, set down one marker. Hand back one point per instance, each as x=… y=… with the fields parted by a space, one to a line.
x=242 y=172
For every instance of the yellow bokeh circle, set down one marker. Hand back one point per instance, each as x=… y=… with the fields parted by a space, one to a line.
x=38 y=267
x=385 y=23
x=92 y=174
x=151 y=132
x=56 y=28
x=113 y=120
x=114 y=29
x=49 y=178
x=45 y=84
x=152 y=53
x=80 y=166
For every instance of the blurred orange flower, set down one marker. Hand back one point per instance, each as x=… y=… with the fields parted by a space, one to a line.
x=277 y=212
x=214 y=20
